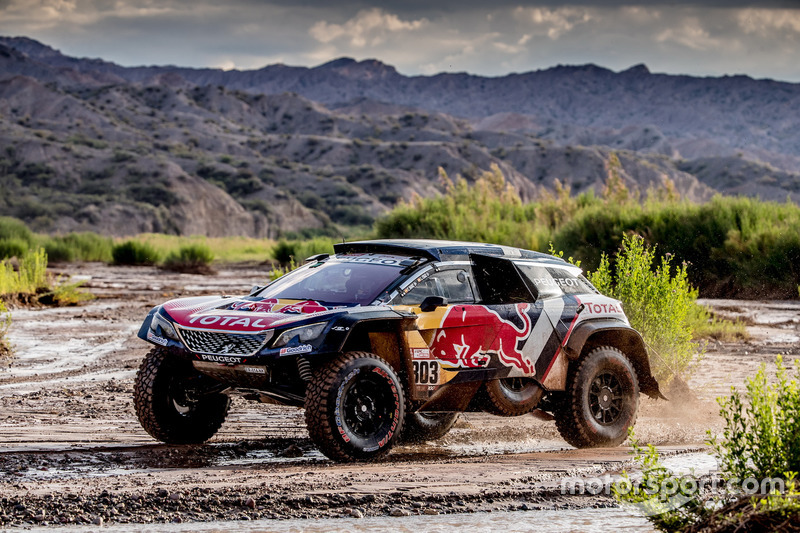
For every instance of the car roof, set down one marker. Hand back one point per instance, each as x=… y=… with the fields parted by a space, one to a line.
x=438 y=250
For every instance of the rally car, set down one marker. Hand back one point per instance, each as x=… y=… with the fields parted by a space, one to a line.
x=389 y=340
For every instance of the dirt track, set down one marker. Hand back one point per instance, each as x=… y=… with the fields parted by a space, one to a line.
x=71 y=450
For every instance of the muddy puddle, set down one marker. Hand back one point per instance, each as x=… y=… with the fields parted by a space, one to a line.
x=562 y=521
x=73 y=454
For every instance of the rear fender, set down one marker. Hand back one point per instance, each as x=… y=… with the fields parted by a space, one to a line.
x=592 y=334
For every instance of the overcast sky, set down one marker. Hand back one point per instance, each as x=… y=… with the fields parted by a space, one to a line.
x=713 y=37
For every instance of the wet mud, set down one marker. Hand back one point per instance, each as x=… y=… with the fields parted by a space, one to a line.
x=72 y=451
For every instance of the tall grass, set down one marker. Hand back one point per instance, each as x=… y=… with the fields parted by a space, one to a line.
x=736 y=247
x=659 y=302
x=30 y=278
x=135 y=253
x=84 y=246
x=192 y=258
x=759 y=447
x=286 y=252
x=490 y=210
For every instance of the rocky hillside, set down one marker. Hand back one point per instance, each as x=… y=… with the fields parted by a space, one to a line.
x=86 y=144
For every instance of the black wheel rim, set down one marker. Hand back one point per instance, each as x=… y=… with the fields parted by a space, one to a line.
x=367 y=405
x=606 y=398
x=515 y=385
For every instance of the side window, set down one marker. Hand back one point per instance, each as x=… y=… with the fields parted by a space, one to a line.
x=499 y=281
x=453 y=285
x=549 y=282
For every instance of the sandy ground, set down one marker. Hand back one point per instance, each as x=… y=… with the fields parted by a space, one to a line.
x=72 y=451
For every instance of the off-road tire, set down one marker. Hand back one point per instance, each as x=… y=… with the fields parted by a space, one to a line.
x=601 y=400
x=163 y=408
x=355 y=407
x=511 y=396
x=420 y=427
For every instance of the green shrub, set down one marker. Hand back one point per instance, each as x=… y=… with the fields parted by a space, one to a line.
x=658 y=301
x=192 y=258
x=31 y=276
x=285 y=252
x=761 y=437
x=135 y=253
x=12 y=248
x=760 y=441
x=13 y=229
x=78 y=247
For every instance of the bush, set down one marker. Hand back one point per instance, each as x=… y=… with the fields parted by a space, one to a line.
x=30 y=278
x=192 y=258
x=135 y=253
x=760 y=441
x=761 y=438
x=12 y=248
x=13 y=229
x=78 y=247
x=285 y=252
x=658 y=301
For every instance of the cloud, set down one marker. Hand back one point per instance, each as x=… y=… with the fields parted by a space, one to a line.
x=691 y=34
x=555 y=22
x=368 y=27
x=766 y=21
x=712 y=37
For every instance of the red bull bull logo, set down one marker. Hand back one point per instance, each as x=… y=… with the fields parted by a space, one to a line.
x=469 y=334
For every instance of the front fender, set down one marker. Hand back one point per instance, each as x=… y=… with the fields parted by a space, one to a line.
x=612 y=332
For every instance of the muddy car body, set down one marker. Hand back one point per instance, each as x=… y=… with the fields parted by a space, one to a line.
x=392 y=339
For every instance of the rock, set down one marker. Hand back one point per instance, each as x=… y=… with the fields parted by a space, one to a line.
x=175 y=496
x=431 y=512
x=250 y=502
x=417 y=505
x=399 y=512
x=355 y=513
x=292 y=451
x=97 y=521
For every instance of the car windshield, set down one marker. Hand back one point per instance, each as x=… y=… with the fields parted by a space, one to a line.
x=350 y=279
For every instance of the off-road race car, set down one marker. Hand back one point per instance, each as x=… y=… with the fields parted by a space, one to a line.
x=389 y=340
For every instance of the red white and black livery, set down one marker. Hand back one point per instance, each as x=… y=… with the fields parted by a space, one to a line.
x=391 y=339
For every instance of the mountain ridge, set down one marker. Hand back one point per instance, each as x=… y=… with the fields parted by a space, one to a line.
x=90 y=144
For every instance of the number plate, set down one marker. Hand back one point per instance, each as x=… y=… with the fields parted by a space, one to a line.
x=427 y=372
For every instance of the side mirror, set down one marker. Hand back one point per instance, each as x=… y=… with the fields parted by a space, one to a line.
x=255 y=289
x=432 y=302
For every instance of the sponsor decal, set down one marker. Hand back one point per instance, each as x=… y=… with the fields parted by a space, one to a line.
x=374 y=259
x=255 y=370
x=230 y=321
x=340 y=328
x=602 y=309
x=557 y=282
x=420 y=353
x=460 y=343
x=152 y=337
x=221 y=358
x=337 y=412
x=294 y=350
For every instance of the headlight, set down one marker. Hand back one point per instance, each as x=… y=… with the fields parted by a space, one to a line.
x=305 y=333
x=166 y=328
